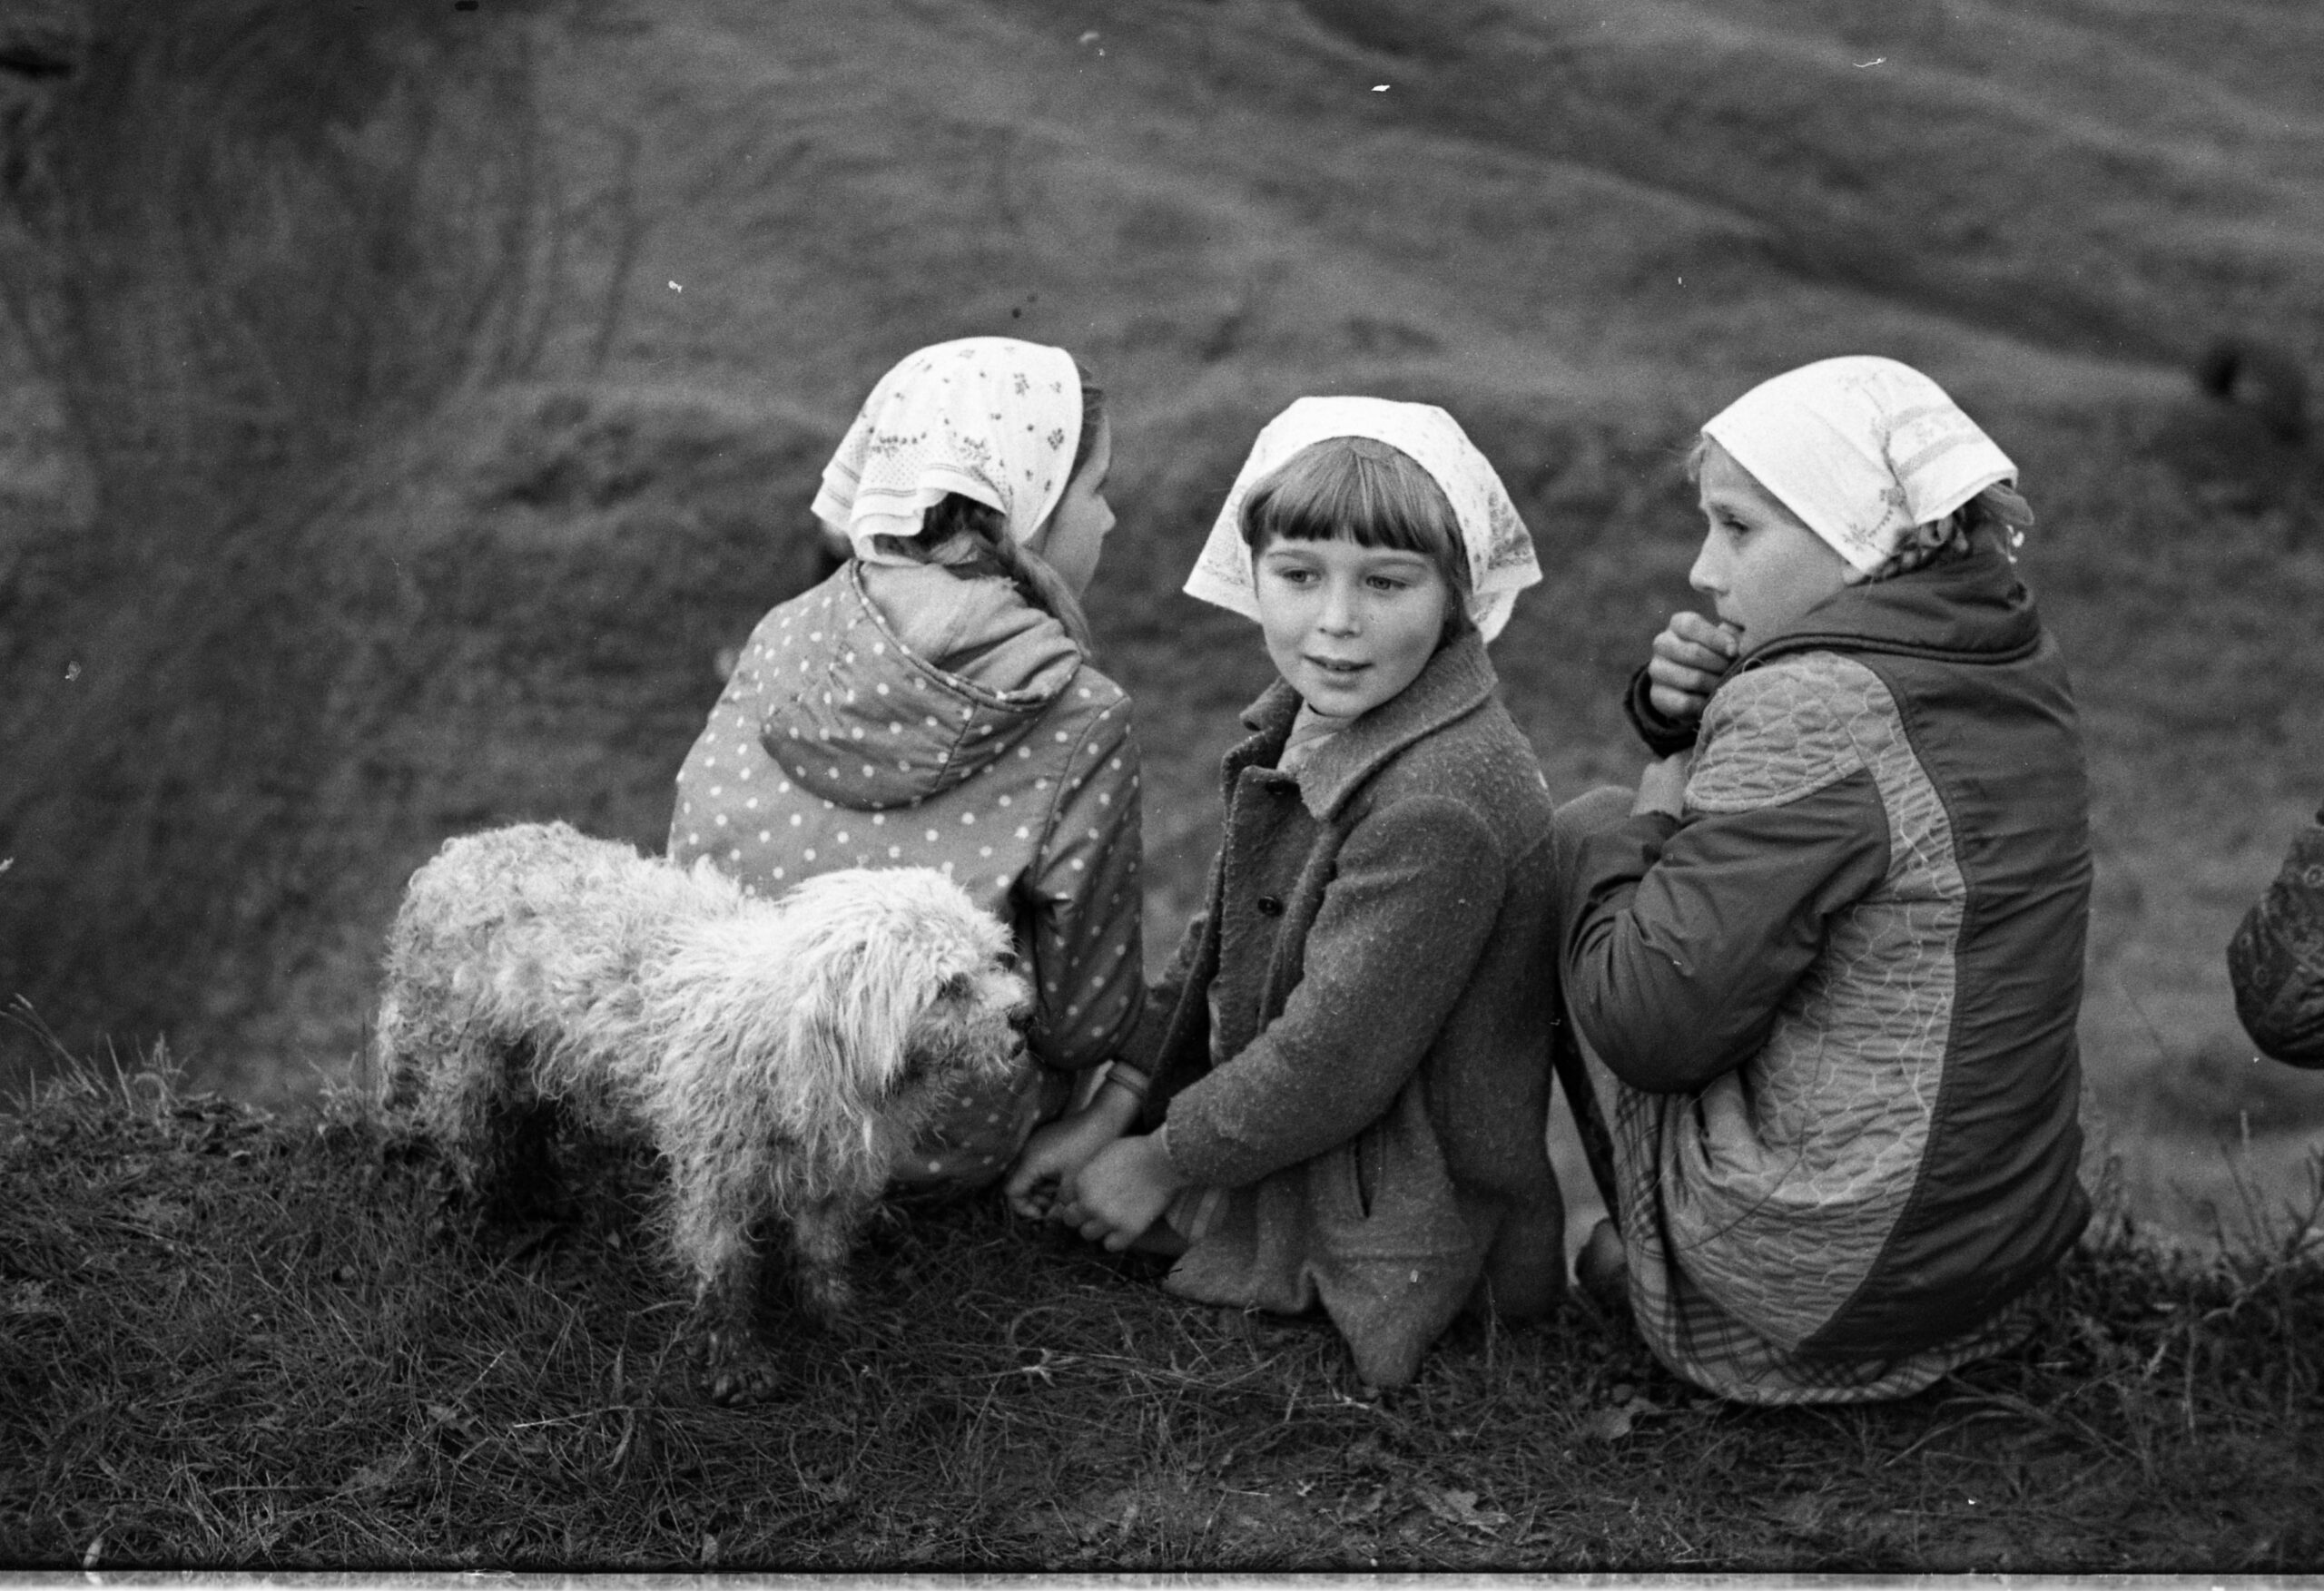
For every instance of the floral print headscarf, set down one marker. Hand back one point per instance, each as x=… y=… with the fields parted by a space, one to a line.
x=1869 y=453
x=990 y=418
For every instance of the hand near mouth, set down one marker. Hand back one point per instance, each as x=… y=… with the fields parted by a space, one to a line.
x=1691 y=655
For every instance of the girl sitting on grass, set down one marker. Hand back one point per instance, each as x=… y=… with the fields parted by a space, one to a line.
x=932 y=703
x=1349 y=1055
x=1833 y=955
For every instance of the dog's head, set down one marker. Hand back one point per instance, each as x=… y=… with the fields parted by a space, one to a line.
x=917 y=991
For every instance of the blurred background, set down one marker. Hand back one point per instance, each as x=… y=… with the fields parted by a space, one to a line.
x=404 y=405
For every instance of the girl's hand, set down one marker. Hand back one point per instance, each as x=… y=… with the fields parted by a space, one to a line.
x=1056 y=1152
x=1662 y=788
x=1123 y=1191
x=1690 y=657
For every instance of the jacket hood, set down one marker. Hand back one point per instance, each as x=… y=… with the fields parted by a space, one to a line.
x=924 y=680
x=1973 y=609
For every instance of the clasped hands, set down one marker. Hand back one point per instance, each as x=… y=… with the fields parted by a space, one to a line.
x=1083 y=1172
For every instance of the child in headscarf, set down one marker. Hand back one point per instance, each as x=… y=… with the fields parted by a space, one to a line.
x=932 y=703
x=1349 y=1057
x=1832 y=956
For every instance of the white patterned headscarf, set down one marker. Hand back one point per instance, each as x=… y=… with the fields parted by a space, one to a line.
x=1864 y=449
x=1499 y=548
x=990 y=418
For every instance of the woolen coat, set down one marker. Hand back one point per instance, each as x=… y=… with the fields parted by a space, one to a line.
x=1376 y=947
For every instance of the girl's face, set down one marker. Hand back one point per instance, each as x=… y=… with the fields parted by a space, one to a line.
x=1073 y=539
x=1349 y=626
x=1760 y=564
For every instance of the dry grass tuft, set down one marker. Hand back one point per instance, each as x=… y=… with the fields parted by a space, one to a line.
x=232 y=1340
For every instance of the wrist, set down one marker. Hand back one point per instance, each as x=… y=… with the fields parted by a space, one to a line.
x=1119 y=1097
x=1662 y=734
x=1163 y=1168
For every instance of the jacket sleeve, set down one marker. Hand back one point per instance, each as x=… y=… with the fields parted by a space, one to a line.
x=1395 y=941
x=2276 y=960
x=1086 y=957
x=1683 y=937
x=1663 y=735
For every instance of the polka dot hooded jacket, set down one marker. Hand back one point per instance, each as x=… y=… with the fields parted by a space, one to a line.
x=902 y=716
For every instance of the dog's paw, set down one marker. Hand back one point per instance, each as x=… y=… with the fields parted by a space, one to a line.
x=734 y=1370
x=825 y=1298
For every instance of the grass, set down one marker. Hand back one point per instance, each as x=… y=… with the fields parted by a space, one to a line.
x=230 y=1338
x=234 y=1340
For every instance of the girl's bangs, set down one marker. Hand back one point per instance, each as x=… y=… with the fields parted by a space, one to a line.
x=1326 y=493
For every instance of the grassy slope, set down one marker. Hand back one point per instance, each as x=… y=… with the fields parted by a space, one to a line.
x=231 y=1342
x=1582 y=231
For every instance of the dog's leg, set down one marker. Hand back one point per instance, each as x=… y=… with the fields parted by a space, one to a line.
x=496 y=1131
x=822 y=1237
x=734 y=1364
x=714 y=1228
x=737 y=1367
x=519 y=1163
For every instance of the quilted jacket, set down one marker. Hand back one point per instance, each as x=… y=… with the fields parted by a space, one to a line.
x=1850 y=975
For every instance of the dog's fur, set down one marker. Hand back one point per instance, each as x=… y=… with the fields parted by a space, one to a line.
x=779 y=1055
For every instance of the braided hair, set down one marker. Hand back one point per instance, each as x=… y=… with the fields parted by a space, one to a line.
x=971 y=539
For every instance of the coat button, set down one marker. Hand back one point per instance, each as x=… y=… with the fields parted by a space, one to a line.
x=1270 y=906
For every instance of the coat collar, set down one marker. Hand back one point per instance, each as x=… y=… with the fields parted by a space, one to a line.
x=1973 y=609
x=1458 y=681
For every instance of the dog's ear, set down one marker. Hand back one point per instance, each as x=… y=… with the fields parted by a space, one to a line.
x=865 y=994
x=917 y=1071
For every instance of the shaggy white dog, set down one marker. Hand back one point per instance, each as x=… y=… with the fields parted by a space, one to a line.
x=779 y=1055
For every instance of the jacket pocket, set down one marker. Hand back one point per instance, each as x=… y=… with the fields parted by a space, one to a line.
x=1386 y=1192
x=1369 y=1158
